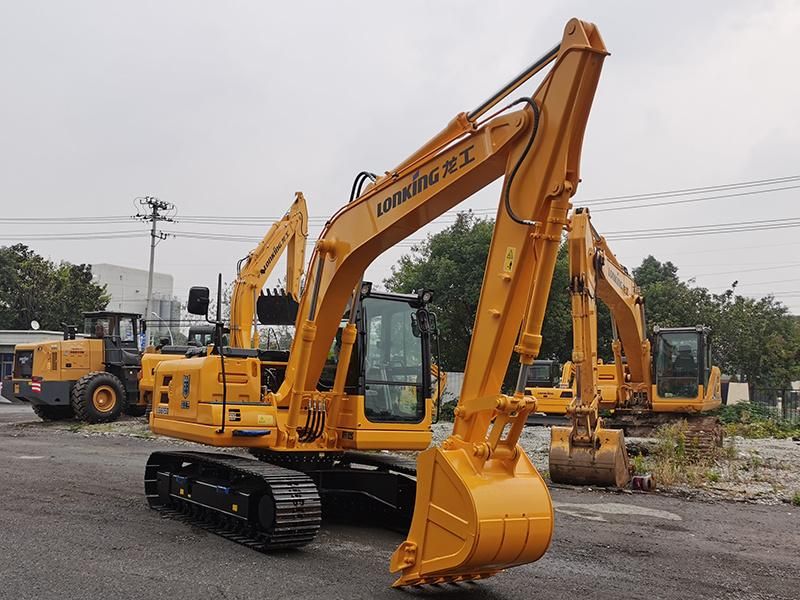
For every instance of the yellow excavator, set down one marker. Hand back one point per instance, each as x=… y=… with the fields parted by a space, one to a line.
x=287 y=235
x=675 y=380
x=552 y=400
x=357 y=378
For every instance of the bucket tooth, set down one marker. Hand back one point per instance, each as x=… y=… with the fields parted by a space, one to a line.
x=473 y=519
x=605 y=463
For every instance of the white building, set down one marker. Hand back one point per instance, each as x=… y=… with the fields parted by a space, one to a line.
x=128 y=290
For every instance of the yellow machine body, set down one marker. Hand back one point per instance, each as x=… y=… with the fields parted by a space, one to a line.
x=197 y=415
x=65 y=360
x=555 y=400
x=46 y=373
x=480 y=505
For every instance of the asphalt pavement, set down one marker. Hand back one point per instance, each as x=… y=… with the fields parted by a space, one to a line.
x=74 y=524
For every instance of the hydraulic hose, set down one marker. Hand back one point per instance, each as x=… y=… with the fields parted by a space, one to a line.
x=358 y=183
x=513 y=174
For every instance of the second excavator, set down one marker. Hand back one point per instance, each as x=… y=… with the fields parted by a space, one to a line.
x=249 y=305
x=357 y=376
x=674 y=380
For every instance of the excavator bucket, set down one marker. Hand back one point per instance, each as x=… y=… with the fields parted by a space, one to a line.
x=472 y=520
x=605 y=463
x=278 y=308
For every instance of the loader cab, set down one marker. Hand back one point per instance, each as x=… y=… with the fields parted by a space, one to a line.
x=120 y=334
x=681 y=361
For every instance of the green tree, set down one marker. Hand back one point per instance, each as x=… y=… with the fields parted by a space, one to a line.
x=35 y=288
x=755 y=340
x=451 y=264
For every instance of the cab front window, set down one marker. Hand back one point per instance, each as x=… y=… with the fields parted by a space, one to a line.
x=678 y=365
x=394 y=382
x=97 y=327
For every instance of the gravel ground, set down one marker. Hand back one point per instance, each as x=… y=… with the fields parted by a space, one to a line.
x=765 y=471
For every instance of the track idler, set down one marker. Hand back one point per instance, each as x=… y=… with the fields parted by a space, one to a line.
x=473 y=516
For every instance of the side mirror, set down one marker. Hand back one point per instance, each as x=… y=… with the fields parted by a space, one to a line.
x=198 y=301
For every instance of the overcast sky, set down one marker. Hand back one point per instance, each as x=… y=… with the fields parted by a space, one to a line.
x=228 y=108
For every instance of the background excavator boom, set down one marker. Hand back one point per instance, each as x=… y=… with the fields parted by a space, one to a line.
x=287 y=235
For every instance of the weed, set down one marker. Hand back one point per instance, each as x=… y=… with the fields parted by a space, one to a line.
x=756 y=421
x=673 y=463
x=447 y=412
x=796 y=498
x=639 y=464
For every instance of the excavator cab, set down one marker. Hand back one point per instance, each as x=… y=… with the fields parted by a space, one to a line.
x=683 y=378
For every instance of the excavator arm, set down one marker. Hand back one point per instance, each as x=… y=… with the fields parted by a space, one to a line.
x=586 y=452
x=617 y=289
x=287 y=235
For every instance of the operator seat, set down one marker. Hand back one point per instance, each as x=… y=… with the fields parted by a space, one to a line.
x=685 y=364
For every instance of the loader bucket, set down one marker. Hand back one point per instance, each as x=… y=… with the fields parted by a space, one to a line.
x=604 y=464
x=472 y=520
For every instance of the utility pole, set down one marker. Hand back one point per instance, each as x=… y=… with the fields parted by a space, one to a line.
x=153 y=210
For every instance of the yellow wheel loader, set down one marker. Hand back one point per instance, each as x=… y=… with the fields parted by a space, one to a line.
x=92 y=378
x=653 y=385
x=357 y=377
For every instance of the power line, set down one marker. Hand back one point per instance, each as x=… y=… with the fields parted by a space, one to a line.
x=66 y=220
x=689 y=191
x=318 y=219
x=690 y=200
x=706 y=229
x=772 y=268
x=86 y=235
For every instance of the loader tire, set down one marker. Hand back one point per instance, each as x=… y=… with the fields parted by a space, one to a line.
x=53 y=413
x=98 y=398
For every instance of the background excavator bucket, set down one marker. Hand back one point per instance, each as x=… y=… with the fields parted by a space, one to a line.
x=276 y=308
x=604 y=464
x=471 y=520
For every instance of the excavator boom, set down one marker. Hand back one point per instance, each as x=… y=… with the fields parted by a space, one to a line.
x=287 y=235
x=586 y=452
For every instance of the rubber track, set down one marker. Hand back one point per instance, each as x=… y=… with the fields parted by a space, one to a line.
x=298 y=508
